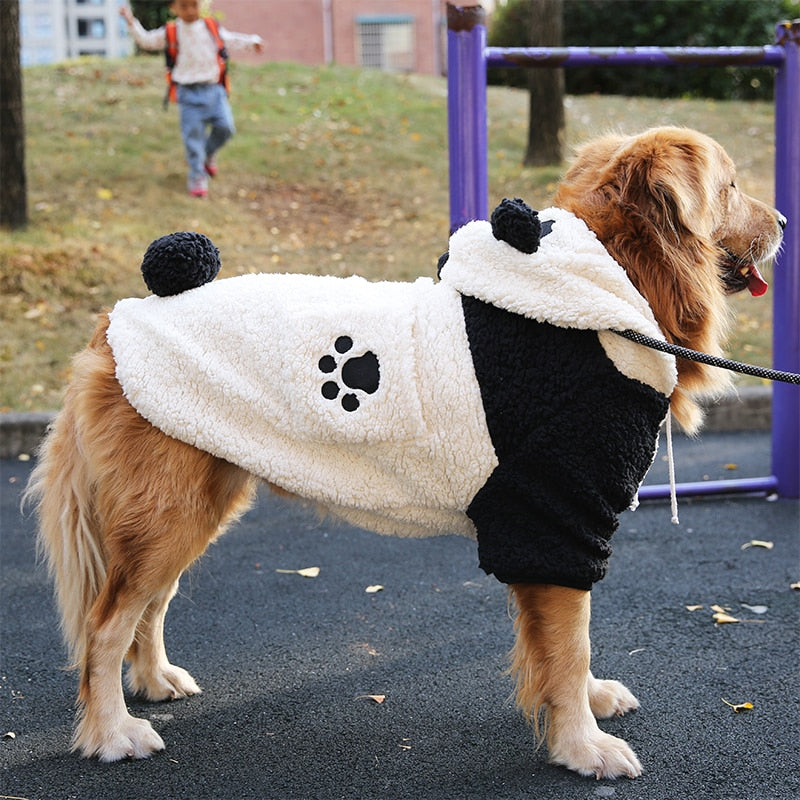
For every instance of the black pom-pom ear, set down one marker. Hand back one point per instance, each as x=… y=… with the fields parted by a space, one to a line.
x=179 y=261
x=515 y=222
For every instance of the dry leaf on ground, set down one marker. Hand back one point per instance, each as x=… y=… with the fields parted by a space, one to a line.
x=721 y=618
x=737 y=707
x=758 y=543
x=377 y=698
x=306 y=572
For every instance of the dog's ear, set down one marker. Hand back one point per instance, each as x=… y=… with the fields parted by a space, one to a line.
x=665 y=181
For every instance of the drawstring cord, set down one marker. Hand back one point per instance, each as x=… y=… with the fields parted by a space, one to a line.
x=673 y=495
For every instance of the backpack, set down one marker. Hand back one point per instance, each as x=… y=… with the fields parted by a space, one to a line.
x=171 y=54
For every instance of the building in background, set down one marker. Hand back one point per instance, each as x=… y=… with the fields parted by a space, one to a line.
x=395 y=35
x=55 y=30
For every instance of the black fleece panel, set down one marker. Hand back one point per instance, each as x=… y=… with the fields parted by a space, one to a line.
x=574 y=438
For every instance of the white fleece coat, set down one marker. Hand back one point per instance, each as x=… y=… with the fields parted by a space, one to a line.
x=254 y=369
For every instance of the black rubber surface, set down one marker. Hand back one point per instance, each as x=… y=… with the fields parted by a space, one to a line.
x=286 y=662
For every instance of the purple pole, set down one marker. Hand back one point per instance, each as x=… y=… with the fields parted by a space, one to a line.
x=786 y=281
x=466 y=114
x=766 y=485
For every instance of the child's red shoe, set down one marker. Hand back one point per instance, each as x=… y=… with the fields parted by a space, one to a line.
x=198 y=188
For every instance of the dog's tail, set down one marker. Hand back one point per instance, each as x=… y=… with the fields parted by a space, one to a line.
x=69 y=539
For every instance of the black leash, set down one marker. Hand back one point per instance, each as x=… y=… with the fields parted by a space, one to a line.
x=705 y=358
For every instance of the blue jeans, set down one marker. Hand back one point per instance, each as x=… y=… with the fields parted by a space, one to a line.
x=202 y=106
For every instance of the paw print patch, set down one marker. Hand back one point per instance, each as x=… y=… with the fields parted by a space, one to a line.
x=351 y=377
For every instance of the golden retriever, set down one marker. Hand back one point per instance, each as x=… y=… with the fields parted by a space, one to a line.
x=124 y=509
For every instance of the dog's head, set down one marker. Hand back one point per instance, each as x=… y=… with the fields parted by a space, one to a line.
x=667 y=207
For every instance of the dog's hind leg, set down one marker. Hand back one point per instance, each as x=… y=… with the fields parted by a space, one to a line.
x=105 y=728
x=157 y=525
x=550 y=661
x=174 y=501
x=150 y=674
x=123 y=511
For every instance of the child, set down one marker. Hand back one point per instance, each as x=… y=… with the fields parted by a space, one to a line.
x=202 y=98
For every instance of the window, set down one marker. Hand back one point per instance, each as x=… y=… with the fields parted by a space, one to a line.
x=91 y=28
x=386 y=42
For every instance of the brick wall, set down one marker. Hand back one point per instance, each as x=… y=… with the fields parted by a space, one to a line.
x=316 y=31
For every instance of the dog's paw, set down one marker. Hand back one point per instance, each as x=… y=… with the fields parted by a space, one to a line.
x=352 y=378
x=130 y=738
x=610 y=699
x=165 y=683
x=598 y=755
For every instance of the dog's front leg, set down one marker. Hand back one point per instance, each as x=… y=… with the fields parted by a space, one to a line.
x=550 y=661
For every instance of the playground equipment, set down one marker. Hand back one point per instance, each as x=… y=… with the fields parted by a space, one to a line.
x=467 y=60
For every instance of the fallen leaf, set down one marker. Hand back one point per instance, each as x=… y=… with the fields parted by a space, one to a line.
x=794 y=585
x=720 y=609
x=758 y=543
x=36 y=311
x=731 y=466
x=722 y=618
x=10 y=735
x=374 y=588
x=377 y=698
x=306 y=572
x=104 y=194
x=737 y=707
x=693 y=608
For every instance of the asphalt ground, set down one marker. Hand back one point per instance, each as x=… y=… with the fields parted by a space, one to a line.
x=288 y=664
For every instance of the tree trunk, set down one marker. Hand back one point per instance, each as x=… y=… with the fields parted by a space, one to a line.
x=13 y=187
x=546 y=123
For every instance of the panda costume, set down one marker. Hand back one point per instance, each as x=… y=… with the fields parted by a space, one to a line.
x=496 y=402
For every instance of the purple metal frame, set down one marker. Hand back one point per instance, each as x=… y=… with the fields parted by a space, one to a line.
x=467 y=60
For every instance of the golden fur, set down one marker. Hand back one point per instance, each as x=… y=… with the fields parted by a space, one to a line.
x=124 y=509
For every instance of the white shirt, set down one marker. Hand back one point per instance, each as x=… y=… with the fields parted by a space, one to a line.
x=197 y=50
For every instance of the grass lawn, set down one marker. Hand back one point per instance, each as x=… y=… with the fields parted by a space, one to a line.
x=333 y=171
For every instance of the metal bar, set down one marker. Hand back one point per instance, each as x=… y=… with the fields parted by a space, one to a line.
x=766 y=485
x=786 y=280
x=768 y=56
x=466 y=115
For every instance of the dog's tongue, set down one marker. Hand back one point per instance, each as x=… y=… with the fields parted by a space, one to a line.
x=756 y=283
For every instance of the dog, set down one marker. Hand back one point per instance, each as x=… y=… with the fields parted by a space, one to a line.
x=127 y=500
